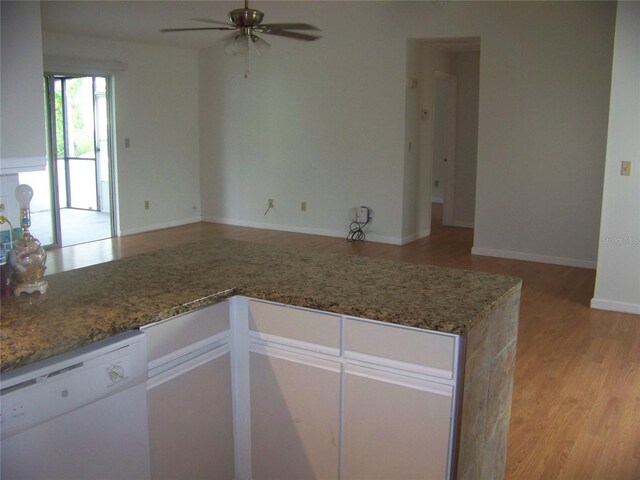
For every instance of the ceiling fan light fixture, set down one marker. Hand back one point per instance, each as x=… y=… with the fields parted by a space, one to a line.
x=262 y=46
x=238 y=45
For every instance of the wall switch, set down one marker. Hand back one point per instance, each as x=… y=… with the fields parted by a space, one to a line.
x=146 y=204
x=303 y=206
x=625 y=169
x=127 y=143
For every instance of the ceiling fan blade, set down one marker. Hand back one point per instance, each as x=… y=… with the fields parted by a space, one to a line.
x=288 y=26
x=209 y=20
x=194 y=29
x=294 y=35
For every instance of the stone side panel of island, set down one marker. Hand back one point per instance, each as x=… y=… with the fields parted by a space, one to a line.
x=490 y=357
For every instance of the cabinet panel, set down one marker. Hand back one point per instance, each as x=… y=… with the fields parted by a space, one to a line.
x=22 y=143
x=295 y=412
x=191 y=424
x=184 y=330
x=393 y=431
x=295 y=323
x=402 y=344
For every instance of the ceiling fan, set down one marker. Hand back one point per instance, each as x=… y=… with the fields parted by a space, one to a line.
x=246 y=23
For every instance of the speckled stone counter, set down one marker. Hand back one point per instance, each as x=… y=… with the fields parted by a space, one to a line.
x=89 y=304
x=92 y=303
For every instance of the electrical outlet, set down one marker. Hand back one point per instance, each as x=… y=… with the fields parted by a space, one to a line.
x=195 y=208
x=625 y=169
x=362 y=214
x=270 y=203
x=146 y=204
x=303 y=206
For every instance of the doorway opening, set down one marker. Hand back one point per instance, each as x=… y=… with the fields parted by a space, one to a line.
x=444 y=148
x=74 y=202
x=448 y=119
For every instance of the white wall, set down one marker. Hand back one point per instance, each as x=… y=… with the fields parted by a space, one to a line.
x=618 y=275
x=320 y=122
x=156 y=106
x=544 y=85
x=324 y=122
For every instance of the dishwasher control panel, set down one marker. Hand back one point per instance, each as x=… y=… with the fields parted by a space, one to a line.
x=51 y=391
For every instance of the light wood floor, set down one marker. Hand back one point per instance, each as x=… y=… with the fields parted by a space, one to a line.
x=576 y=400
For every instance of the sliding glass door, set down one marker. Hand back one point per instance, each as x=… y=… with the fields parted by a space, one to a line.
x=79 y=171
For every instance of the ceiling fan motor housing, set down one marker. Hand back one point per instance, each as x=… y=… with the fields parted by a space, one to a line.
x=246 y=17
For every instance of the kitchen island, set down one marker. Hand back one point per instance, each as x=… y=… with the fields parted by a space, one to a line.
x=93 y=303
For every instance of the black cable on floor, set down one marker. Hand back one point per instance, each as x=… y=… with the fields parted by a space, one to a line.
x=356 y=232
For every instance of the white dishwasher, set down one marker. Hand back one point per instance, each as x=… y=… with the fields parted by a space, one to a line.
x=79 y=415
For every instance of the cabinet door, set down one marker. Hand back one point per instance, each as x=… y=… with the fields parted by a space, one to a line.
x=295 y=411
x=22 y=120
x=191 y=422
x=394 y=429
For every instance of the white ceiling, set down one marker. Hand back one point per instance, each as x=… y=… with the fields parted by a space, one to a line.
x=140 y=21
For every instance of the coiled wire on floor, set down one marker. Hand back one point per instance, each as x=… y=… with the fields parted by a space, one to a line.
x=356 y=232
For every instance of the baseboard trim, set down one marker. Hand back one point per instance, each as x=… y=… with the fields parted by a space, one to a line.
x=416 y=236
x=159 y=226
x=371 y=237
x=461 y=224
x=613 y=306
x=532 y=257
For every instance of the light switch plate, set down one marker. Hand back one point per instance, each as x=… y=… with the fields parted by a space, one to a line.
x=625 y=169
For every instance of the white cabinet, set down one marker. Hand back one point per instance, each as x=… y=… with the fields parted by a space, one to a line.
x=191 y=422
x=294 y=418
x=22 y=123
x=340 y=397
x=250 y=389
x=295 y=392
x=394 y=427
x=398 y=402
x=190 y=396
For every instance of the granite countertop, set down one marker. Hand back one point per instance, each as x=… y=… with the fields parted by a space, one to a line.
x=89 y=304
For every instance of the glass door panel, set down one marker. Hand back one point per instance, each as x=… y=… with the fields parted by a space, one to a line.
x=79 y=112
x=82 y=184
x=79 y=185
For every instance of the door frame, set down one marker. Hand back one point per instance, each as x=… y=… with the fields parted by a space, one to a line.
x=49 y=79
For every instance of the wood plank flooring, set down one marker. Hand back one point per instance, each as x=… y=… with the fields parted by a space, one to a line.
x=576 y=399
